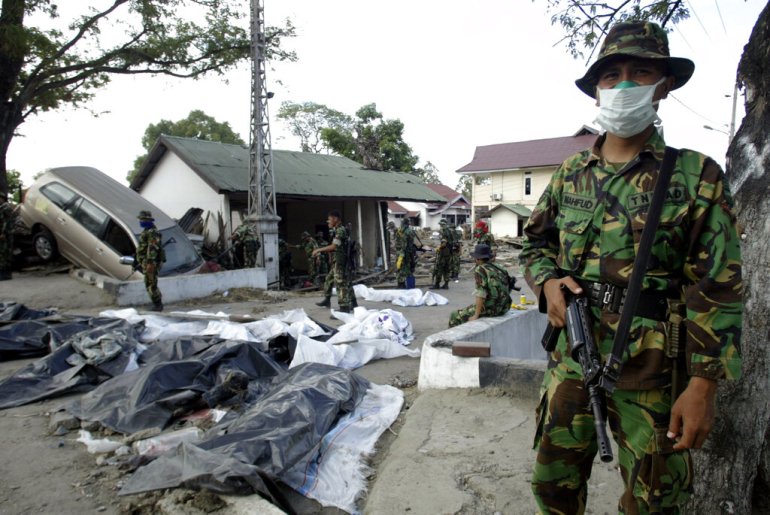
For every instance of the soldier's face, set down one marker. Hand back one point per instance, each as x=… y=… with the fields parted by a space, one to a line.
x=644 y=72
x=332 y=221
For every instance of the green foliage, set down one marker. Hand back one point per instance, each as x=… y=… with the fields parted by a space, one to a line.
x=307 y=120
x=465 y=186
x=15 y=185
x=585 y=23
x=428 y=173
x=197 y=125
x=376 y=143
x=47 y=63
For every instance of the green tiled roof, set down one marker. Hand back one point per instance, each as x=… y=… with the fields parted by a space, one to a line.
x=518 y=209
x=226 y=168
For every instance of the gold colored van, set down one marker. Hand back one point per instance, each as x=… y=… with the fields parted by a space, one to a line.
x=91 y=220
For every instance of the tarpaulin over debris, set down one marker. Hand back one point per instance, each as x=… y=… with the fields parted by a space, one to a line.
x=111 y=350
x=29 y=333
x=14 y=311
x=148 y=398
x=280 y=436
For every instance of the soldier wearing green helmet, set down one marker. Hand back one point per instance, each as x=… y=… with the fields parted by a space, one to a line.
x=691 y=287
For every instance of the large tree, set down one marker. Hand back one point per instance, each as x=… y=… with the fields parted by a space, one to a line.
x=197 y=125
x=733 y=469
x=306 y=121
x=376 y=143
x=47 y=63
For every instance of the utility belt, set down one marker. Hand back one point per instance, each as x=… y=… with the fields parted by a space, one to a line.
x=653 y=305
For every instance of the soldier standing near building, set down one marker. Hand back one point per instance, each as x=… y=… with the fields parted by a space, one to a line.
x=493 y=291
x=284 y=264
x=692 y=284
x=150 y=256
x=246 y=244
x=338 y=275
x=309 y=245
x=7 y=220
x=443 y=264
x=457 y=248
x=405 y=253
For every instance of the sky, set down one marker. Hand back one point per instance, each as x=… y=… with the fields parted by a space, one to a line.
x=458 y=74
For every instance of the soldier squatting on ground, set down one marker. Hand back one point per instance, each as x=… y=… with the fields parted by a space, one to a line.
x=694 y=263
x=338 y=275
x=150 y=255
x=493 y=287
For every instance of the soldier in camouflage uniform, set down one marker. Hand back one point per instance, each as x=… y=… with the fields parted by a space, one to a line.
x=247 y=244
x=405 y=253
x=443 y=264
x=583 y=236
x=338 y=275
x=457 y=248
x=309 y=245
x=284 y=264
x=493 y=291
x=150 y=255
x=481 y=235
x=7 y=219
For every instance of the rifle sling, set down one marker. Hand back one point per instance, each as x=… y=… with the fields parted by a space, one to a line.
x=614 y=365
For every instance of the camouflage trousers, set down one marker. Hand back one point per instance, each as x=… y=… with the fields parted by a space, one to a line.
x=442 y=267
x=337 y=277
x=461 y=316
x=151 y=283
x=454 y=268
x=250 y=250
x=406 y=267
x=657 y=479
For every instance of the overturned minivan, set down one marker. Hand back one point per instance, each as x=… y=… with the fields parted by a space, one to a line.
x=91 y=220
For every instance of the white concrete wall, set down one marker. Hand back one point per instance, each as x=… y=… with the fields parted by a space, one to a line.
x=504 y=223
x=514 y=335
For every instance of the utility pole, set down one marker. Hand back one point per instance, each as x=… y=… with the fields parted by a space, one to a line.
x=261 y=203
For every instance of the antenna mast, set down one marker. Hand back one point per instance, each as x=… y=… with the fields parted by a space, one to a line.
x=261 y=202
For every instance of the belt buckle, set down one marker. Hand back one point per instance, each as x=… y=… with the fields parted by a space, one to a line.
x=612 y=298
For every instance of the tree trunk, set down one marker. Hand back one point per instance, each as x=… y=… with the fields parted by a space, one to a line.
x=732 y=473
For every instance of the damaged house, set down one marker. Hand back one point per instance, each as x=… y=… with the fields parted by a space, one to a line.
x=184 y=173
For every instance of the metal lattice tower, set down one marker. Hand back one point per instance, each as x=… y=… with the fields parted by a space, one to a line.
x=261 y=202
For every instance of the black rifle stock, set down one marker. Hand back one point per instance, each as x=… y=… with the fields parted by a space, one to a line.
x=585 y=352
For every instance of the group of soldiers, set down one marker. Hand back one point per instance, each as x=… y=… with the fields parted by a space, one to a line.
x=446 y=266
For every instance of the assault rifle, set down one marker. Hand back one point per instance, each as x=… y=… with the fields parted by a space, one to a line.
x=585 y=352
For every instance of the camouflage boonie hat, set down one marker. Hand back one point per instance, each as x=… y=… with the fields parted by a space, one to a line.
x=145 y=215
x=641 y=39
x=442 y=222
x=304 y=235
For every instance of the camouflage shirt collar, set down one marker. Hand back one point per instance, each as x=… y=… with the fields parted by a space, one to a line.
x=654 y=146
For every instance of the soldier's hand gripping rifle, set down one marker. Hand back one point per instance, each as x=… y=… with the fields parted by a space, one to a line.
x=585 y=352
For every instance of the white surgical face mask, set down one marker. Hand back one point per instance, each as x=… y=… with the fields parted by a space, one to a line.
x=627 y=111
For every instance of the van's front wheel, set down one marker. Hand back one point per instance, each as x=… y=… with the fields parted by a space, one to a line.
x=45 y=245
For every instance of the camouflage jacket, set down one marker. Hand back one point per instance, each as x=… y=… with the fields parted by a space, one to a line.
x=588 y=225
x=246 y=233
x=150 y=250
x=340 y=238
x=492 y=286
x=309 y=245
x=405 y=240
x=484 y=237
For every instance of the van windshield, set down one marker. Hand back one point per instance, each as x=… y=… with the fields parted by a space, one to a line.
x=181 y=256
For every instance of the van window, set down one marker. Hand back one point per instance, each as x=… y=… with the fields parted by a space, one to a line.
x=89 y=216
x=60 y=195
x=117 y=238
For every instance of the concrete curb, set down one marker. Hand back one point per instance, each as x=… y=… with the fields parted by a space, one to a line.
x=176 y=288
x=517 y=361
